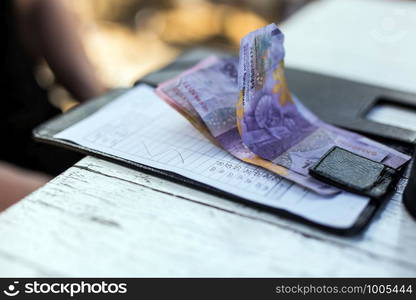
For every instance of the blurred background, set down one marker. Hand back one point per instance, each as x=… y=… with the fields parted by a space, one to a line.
x=126 y=39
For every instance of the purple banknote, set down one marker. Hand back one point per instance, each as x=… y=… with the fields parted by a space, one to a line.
x=207 y=96
x=278 y=128
x=245 y=107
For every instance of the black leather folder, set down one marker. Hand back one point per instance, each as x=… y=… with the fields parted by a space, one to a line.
x=334 y=93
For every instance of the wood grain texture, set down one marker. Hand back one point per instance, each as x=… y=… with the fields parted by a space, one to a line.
x=102 y=219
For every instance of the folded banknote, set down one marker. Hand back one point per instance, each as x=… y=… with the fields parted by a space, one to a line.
x=210 y=106
x=244 y=105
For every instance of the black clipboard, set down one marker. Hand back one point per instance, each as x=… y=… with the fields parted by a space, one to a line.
x=45 y=133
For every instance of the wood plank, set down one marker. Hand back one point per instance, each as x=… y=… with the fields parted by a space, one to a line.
x=85 y=223
x=392 y=233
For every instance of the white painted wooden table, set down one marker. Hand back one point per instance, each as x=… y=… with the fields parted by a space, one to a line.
x=102 y=219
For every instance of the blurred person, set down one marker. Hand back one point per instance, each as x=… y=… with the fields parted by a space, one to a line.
x=16 y=183
x=37 y=30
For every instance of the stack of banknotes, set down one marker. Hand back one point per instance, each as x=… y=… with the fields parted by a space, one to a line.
x=244 y=106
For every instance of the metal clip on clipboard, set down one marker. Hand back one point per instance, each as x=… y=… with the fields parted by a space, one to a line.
x=354 y=173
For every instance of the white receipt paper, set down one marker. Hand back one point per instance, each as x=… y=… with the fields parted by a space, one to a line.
x=140 y=127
